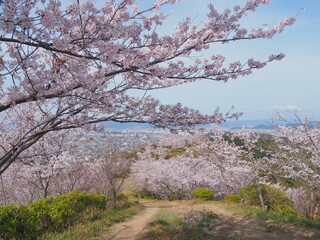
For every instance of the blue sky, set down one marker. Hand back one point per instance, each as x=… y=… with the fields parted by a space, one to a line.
x=291 y=84
x=288 y=85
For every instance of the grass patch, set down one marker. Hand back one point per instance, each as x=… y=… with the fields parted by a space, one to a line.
x=97 y=224
x=270 y=216
x=192 y=226
x=257 y=213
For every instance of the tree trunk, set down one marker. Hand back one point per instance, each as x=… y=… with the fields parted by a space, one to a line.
x=264 y=207
x=312 y=208
x=115 y=199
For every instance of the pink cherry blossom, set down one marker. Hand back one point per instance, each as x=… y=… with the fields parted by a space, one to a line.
x=64 y=67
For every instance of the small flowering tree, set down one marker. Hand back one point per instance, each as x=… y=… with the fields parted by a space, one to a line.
x=212 y=162
x=35 y=173
x=299 y=157
x=225 y=157
x=109 y=173
x=177 y=176
x=63 y=67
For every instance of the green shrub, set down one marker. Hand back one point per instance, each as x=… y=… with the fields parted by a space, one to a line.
x=275 y=199
x=17 y=221
x=121 y=197
x=283 y=209
x=149 y=197
x=63 y=211
x=235 y=198
x=173 y=197
x=48 y=214
x=250 y=195
x=203 y=193
x=278 y=202
x=145 y=194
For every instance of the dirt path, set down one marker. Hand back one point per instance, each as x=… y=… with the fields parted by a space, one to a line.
x=133 y=228
x=233 y=225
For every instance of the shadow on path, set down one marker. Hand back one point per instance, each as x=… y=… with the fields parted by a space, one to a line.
x=233 y=226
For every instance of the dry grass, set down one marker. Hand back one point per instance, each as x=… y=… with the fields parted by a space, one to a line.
x=97 y=225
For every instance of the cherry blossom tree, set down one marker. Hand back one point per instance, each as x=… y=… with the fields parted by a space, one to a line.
x=35 y=173
x=178 y=176
x=257 y=158
x=299 y=157
x=66 y=67
x=223 y=161
x=108 y=173
x=27 y=183
x=211 y=161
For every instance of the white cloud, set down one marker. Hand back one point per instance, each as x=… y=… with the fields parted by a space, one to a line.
x=287 y=107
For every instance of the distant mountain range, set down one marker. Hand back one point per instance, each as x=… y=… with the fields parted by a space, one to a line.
x=252 y=124
x=125 y=126
x=264 y=124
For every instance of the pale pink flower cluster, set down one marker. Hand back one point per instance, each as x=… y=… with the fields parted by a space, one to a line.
x=79 y=64
x=184 y=163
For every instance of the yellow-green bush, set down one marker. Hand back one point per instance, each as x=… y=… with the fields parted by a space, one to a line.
x=18 y=221
x=64 y=210
x=235 y=198
x=203 y=193
x=173 y=197
x=250 y=195
x=48 y=214
x=121 y=197
x=275 y=199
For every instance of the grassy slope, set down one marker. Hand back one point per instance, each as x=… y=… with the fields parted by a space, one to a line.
x=98 y=225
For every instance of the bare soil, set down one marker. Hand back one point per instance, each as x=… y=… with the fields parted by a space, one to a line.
x=233 y=224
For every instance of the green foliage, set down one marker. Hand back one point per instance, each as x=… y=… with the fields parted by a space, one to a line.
x=203 y=193
x=48 y=214
x=175 y=152
x=148 y=197
x=283 y=209
x=288 y=182
x=58 y=213
x=235 y=198
x=275 y=199
x=155 y=156
x=250 y=195
x=298 y=220
x=94 y=228
x=121 y=197
x=144 y=194
x=17 y=221
x=173 y=197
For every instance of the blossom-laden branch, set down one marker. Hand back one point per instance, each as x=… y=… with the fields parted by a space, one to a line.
x=65 y=67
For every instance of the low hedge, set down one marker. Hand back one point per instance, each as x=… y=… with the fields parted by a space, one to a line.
x=203 y=193
x=48 y=214
x=235 y=198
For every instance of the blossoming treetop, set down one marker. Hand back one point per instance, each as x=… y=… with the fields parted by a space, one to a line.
x=66 y=67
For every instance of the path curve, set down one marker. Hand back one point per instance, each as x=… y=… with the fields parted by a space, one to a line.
x=134 y=227
x=232 y=226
